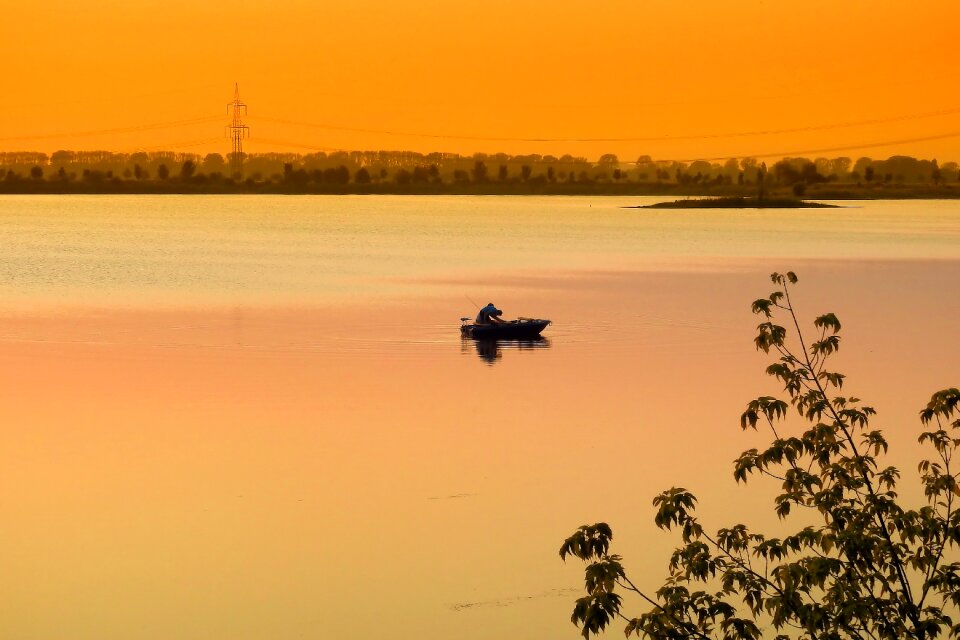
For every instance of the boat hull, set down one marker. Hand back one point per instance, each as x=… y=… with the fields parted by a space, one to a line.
x=505 y=331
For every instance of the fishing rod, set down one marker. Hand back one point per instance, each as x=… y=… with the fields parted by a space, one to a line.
x=471 y=302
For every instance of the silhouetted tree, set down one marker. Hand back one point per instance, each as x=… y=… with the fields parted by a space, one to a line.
x=36 y=172
x=811 y=175
x=480 y=171
x=62 y=158
x=949 y=171
x=187 y=169
x=162 y=172
x=700 y=166
x=436 y=167
x=94 y=176
x=731 y=168
x=362 y=176
x=862 y=565
x=868 y=174
x=841 y=167
x=785 y=173
x=421 y=174
x=213 y=162
x=294 y=175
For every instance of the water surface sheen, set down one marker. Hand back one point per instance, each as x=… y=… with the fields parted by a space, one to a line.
x=253 y=417
x=223 y=249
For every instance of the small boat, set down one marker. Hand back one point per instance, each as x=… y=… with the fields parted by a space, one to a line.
x=512 y=330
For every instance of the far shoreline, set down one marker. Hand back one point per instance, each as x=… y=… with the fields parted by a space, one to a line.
x=820 y=192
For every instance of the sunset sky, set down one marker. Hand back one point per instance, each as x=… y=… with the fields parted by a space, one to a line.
x=660 y=77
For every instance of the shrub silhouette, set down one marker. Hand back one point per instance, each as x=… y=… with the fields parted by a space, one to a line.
x=873 y=568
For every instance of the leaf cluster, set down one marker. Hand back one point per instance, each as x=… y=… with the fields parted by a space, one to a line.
x=871 y=568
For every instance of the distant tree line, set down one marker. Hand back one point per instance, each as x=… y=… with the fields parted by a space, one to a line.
x=411 y=168
x=793 y=171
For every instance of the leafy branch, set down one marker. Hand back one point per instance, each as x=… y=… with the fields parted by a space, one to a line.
x=871 y=569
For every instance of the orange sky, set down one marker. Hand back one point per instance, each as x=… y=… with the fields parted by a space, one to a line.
x=480 y=70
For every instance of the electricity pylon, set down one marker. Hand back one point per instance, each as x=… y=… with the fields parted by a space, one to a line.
x=237 y=130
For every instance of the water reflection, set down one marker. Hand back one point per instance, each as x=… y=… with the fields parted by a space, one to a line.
x=492 y=350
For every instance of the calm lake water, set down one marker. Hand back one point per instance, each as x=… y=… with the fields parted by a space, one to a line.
x=250 y=417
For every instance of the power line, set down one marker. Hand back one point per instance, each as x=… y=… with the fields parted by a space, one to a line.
x=741 y=98
x=99 y=132
x=178 y=145
x=104 y=99
x=779 y=154
x=312 y=147
x=866 y=145
x=708 y=136
x=297 y=145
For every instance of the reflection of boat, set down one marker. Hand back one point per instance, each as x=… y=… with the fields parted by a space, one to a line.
x=491 y=350
x=524 y=328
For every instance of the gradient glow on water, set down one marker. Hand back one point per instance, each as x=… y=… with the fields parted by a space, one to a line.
x=221 y=249
x=254 y=417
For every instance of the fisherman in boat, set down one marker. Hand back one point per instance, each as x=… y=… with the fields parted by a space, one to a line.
x=489 y=315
